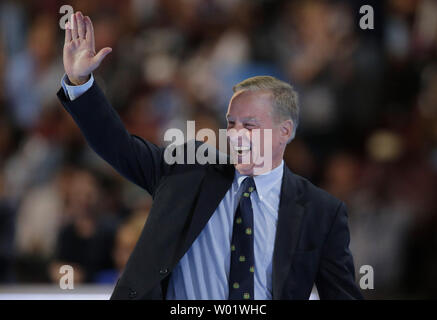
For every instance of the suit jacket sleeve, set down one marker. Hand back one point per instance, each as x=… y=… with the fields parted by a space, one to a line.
x=336 y=275
x=138 y=160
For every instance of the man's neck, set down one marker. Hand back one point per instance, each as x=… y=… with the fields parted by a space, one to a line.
x=260 y=170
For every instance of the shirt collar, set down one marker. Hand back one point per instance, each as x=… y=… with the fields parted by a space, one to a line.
x=263 y=182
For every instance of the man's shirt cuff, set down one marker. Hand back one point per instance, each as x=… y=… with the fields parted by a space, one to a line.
x=74 y=92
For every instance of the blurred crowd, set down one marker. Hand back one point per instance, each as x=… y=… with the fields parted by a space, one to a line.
x=368 y=127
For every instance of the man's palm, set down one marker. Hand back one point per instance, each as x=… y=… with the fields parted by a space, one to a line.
x=80 y=58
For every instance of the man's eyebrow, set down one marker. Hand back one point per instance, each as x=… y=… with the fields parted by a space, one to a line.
x=249 y=119
x=228 y=117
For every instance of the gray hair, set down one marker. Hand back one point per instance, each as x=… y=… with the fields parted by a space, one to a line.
x=285 y=98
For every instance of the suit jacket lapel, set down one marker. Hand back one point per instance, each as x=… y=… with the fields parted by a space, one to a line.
x=287 y=232
x=216 y=183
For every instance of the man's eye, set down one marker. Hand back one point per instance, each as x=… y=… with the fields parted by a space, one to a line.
x=230 y=124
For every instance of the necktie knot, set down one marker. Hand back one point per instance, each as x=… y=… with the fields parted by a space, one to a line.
x=248 y=185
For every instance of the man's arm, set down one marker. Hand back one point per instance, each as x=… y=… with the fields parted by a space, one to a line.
x=336 y=275
x=136 y=159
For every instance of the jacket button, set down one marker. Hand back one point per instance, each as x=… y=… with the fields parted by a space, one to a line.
x=163 y=271
x=132 y=293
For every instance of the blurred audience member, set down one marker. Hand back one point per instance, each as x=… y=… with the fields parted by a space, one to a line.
x=86 y=240
x=126 y=238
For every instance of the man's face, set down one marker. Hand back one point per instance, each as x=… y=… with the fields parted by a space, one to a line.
x=248 y=111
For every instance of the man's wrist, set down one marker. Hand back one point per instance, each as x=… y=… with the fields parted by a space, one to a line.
x=75 y=91
x=78 y=81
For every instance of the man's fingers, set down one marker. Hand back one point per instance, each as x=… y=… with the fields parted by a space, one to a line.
x=67 y=32
x=89 y=31
x=80 y=25
x=74 y=34
x=101 y=55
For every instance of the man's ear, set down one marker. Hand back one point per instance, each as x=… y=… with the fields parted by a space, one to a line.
x=286 y=130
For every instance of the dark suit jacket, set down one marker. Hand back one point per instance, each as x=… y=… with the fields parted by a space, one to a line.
x=312 y=237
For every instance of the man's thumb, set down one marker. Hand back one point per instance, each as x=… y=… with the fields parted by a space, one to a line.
x=98 y=58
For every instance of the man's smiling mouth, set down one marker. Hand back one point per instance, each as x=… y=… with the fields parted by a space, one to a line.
x=242 y=150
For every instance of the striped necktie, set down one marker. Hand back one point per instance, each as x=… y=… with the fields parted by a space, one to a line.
x=241 y=275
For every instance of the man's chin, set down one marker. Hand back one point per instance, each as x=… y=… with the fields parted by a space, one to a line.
x=245 y=169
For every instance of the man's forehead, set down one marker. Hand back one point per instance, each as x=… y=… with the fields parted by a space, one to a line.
x=250 y=103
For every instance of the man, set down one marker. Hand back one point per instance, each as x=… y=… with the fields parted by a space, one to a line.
x=217 y=231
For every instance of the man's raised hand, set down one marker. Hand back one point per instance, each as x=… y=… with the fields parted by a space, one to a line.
x=80 y=58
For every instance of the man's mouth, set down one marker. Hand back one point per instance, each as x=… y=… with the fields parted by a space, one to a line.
x=242 y=150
